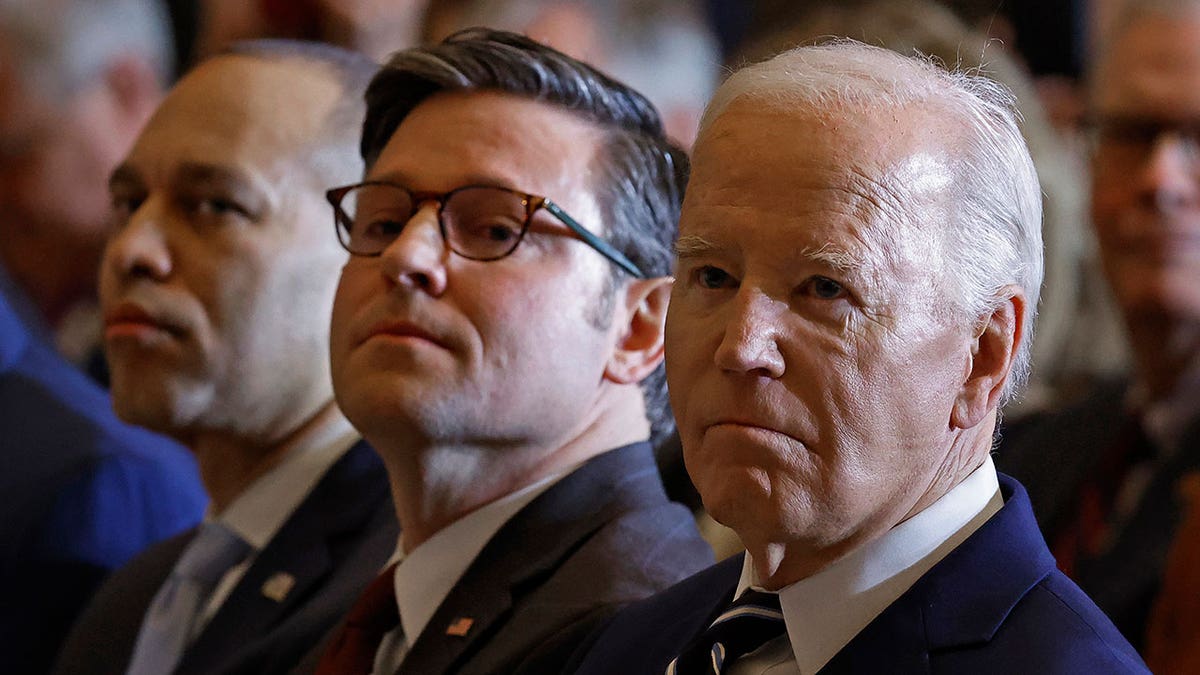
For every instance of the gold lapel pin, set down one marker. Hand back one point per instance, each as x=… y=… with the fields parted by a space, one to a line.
x=460 y=627
x=278 y=586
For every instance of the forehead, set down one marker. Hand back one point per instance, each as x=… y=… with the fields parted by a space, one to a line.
x=863 y=179
x=1153 y=67
x=237 y=110
x=457 y=138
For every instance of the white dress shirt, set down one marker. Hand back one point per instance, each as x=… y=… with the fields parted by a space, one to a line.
x=425 y=576
x=825 y=611
x=261 y=509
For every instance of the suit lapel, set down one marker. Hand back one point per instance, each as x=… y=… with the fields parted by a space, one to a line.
x=524 y=552
x=962 y=601
x=294 y=563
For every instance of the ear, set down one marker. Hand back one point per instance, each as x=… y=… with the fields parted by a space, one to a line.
x=639 y=347
x=993 y=352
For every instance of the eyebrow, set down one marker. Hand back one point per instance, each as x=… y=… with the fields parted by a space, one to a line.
x=408 y=181
x=692 y=246
x=832 y=256
x=125 y=175
x=205 y=174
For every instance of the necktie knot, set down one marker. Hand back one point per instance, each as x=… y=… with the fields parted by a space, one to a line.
x=214 y=550
x=750 y=622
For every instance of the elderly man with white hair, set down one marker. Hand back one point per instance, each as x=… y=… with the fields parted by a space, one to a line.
x=856 y=283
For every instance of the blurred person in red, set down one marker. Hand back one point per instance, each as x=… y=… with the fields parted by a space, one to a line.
x=373 y=27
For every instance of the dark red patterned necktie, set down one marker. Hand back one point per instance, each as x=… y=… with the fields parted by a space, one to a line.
x=374 y=615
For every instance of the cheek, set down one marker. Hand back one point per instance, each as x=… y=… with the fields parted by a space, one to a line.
x=346 y=301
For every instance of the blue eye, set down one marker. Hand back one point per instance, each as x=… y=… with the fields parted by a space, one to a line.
x=712 y=277
x=826 y=288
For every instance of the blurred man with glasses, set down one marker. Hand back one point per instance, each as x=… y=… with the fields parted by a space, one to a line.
x=1103 y=472
x=498 y=337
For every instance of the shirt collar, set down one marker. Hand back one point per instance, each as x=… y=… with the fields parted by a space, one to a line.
x=825 y=611
x=425 y=575
x=260 y=510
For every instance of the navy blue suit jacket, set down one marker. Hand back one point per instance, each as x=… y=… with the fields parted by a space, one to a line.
x=996 y=604
x=332 y=546
x=80 y=493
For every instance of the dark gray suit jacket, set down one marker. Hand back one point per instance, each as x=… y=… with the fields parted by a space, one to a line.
x=1054 y=453
x=602 y=537
x=333 y=545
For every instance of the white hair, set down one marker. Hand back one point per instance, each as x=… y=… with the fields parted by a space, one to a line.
x=61 y=45
x=995 y=235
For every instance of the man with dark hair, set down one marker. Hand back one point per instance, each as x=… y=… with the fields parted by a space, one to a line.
x=503 y=302
x=216 y=286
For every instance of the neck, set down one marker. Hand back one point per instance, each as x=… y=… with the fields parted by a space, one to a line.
x=49 y=272
x=780 y=563
x=1166 y=358
x=434 y=485
x=229 y=464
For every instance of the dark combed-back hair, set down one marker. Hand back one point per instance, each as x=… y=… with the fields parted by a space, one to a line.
x=641 y=175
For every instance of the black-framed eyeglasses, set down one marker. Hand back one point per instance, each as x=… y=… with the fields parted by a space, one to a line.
x=479 y=222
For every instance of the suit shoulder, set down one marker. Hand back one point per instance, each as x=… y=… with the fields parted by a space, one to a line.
x=645 y=635
x=1055 y=628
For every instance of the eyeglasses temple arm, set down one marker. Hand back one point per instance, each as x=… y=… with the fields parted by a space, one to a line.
x=595 y=242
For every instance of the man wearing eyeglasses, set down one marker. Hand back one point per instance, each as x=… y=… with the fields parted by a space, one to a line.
x=498 y=337
x=1103 y=472
x=217 y=284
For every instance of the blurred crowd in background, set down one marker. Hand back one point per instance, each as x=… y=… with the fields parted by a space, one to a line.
x=67 y=115
x=78 y=80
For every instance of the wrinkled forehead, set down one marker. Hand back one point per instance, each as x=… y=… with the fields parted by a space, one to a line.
x=879 y=176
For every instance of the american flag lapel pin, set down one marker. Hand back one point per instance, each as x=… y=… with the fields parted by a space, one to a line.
x=460 y=626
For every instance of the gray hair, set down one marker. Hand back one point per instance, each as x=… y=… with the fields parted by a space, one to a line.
x=995 y=237
x=61 y=45
x=640 y=175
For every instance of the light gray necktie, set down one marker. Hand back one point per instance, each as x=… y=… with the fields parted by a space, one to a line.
x=169 y=621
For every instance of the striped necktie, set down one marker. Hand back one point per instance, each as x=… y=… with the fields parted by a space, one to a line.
x=749 y=623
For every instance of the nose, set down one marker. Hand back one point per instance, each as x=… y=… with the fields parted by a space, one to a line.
x=139 y=249
x=1170 y=178
x=750 y=344
x=417 y=258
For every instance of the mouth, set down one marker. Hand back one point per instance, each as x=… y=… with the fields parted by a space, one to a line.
x=751 y=428
x=128 y=320
x=400 y=331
